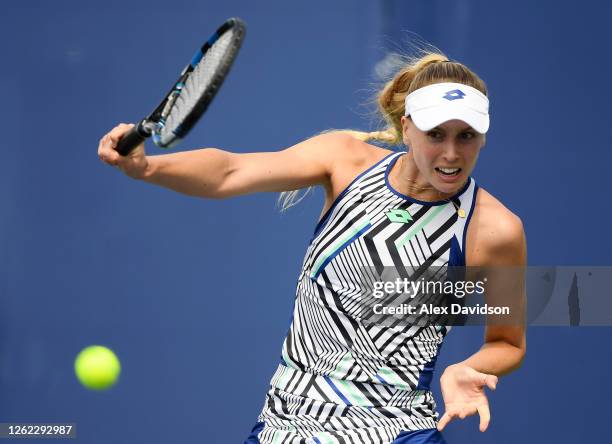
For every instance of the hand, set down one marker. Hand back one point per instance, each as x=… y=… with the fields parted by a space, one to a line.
x=463 y=393
x=134 y=164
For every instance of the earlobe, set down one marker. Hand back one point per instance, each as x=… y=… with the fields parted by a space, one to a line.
x=405 y=137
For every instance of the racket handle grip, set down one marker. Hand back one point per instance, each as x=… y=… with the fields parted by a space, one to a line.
x=132 y=139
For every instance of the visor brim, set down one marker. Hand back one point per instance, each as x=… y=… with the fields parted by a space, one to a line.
x=429 y=118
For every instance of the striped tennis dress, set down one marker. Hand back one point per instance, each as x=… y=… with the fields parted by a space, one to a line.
x=342 y=380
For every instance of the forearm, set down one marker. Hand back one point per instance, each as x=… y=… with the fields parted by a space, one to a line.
x=496 y=358
x=196 y=173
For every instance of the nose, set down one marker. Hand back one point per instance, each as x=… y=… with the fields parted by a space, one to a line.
x=450 y=153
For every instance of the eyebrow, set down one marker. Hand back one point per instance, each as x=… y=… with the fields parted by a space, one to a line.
x=439 y=128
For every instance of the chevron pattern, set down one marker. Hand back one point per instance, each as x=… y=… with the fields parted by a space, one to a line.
x=341 y=379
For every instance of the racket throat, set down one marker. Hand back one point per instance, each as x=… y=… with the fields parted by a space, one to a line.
x=148 y=127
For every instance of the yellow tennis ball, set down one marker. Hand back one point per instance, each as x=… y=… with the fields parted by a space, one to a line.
x=97 y=367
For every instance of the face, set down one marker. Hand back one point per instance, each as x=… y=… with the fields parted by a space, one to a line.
x=445 y=155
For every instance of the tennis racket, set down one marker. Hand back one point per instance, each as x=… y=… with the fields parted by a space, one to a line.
x=190 y=96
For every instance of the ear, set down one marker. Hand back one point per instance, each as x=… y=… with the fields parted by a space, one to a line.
x=406 y=122
x=484 y=141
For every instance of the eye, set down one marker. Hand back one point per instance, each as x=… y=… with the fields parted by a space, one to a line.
x=435 y=134
x=467 y=135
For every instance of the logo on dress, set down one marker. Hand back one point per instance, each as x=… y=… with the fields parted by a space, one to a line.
x=399 y=215
x=454 y=95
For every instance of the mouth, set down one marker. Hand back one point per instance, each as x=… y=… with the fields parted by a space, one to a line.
x=448 y=172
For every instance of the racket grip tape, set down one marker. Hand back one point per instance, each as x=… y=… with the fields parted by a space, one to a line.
x=132 y=139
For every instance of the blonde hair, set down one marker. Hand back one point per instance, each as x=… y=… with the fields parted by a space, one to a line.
x=426 y=68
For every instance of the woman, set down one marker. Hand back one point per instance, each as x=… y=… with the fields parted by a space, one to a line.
x=342 y=380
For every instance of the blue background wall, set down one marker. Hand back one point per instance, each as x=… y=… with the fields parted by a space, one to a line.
x=195 y=296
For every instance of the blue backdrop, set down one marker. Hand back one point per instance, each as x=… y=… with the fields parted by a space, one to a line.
x=195 y=296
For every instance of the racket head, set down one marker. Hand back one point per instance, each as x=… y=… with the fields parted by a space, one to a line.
x=198 y=84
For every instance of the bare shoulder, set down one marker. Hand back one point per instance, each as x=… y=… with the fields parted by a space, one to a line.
x=351 y=157
x=347 y=157
x=495 y=235
x=346 y=150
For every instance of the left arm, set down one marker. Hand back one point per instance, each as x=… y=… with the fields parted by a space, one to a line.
x=498 y=243
x=504 y=343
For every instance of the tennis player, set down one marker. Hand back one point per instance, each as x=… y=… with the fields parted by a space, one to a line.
x=340 y=379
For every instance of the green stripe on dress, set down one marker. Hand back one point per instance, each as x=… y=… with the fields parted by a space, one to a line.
x=338 y=245
x=418 y=226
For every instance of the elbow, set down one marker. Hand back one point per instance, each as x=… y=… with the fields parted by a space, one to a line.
x=223 y=186
x=522 y=350
x=520 y=357
x=219 y=182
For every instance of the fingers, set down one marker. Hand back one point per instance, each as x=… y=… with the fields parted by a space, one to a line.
x=485 y=416
x=468 y=411
x=118 y=132
x=446 y=418
x=108 y=143
x=462 y=413
x=450 y=414
x=106 y=151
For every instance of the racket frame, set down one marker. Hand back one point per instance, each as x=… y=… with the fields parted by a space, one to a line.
x=154 y=123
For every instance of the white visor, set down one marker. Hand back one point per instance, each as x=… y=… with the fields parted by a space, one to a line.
x=435 y=104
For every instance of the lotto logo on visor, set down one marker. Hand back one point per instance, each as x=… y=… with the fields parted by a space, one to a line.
x=454 y=94
x=435 y=104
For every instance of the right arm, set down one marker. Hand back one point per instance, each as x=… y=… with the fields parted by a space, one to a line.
x=215 y=173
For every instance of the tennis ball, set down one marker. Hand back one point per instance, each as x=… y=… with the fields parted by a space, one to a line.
x=97 y=367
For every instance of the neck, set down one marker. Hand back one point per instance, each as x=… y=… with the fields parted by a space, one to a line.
x=406 y=178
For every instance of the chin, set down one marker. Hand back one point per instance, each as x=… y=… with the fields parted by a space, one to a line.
x=449 y=188
x=448 y=185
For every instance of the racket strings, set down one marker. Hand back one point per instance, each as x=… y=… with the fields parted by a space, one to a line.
x=197 y=83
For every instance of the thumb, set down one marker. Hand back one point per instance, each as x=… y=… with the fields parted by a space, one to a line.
x=488 y=380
